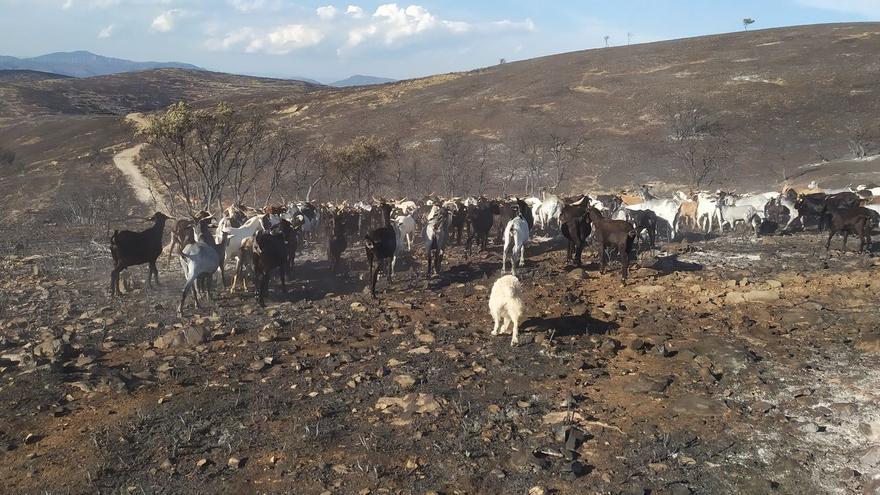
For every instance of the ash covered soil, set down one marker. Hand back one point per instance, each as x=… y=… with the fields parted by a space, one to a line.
x=733 y=365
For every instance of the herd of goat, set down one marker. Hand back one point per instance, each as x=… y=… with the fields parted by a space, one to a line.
x=266 y=240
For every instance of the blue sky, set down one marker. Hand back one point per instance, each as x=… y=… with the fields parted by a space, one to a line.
x=330 y=40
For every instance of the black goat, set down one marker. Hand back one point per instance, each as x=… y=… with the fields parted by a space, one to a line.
x=136 y=248
x=858 y=221
x=480 y=219
x=270 y=252
x=507 y=210
x=644 y=220
x=616 y=234
x=381 y=246
x=576 y=228
x=457 y=221
x=336 y=242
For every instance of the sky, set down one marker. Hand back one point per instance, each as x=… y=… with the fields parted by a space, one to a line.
x=328 y=40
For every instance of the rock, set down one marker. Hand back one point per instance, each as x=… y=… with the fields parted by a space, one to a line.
x=762 y=296
x=697 y=406
x=269 y=332
x=202 y=463
x=762 y=407
x=871 y=457
x=189 y=336
x=774 y=284
x=358 y=307
x=415 y=403
x=649 y=289
x=32 y=438
x=677 y=489
x=809 y=427
x=233 y=462
x=638 y=383
x=537 y=490
x=869 y=344
x=557 y=417
x=426 y=338
x=398 y=305
x=54 y=350
x=420 y=350
x=405 y=381
x=576 y=274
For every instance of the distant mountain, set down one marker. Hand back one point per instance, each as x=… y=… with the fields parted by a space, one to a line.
x=359 y=80
x=83 y=64
x=28 y=75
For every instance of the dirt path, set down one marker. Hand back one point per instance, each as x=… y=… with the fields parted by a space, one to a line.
x=124 y=161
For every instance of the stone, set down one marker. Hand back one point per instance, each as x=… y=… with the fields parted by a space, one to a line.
x=809 y=427
x=417 y=403
x=358 y=307
x=166 y=465
x=649 y=289
x=233 y=462
x=871 y=457
x=537 y=490
x=405 y=381
x=189 y=336
x=696 y=405
x=576 y=274
x=269 y=332
x=639 y=383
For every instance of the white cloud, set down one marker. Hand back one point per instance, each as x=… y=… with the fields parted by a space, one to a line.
x=165 y=21
x=868 y=8
x=327 y=12
x=106 y=32
x=67 y=4
x=254 y=5
x=277 y=41
x=354 y=11
x=392 y=24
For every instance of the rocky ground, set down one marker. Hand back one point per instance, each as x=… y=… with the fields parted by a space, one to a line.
x=727 y=366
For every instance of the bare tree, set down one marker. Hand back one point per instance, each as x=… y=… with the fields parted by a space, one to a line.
x=482 y=154
x=861 y=140
x=747 y=22
x=703 y=160
x=510 y=168
x=7 y=157
x=530 y=146
x=563 y=149
x=690 y=119
x=456 y=151
x=629 y=37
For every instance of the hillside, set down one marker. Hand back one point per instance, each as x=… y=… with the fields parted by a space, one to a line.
x=784 y=96
x=27 y=75
x=83 y=64
x=360 y=80
x=143 y=91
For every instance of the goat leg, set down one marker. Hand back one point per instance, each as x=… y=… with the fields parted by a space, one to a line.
x=283 y=283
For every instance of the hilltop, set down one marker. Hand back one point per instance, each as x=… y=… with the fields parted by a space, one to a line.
x=83 y=64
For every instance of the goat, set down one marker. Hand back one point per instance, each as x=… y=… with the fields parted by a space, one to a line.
x=506 y=306
x=551 y=209
x=811 y=206
x=270 y=252
x=337 y=242
x=612 y=234
x=406 y=225
x=643 y=220
x=436 y=232
x=480 y=219
x=858 y=221
x=575 y=228
x=731 y=215
x=245 y=261
x=510 y=209
x=688 y=212
x=201 y=260
x=136 y=248
x=665 y=209
x=382 y=244
x=458 y=218
x=707 y=212
x=516 y=234
x=182 y=233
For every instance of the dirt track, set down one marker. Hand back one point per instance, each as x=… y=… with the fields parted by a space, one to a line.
x=678 y=385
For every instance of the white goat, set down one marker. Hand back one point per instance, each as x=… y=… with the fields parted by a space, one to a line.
x=237 y=235
x=665 y=209
x=707 y=208
x=506 y=306
x=731 y=215
x=201 y=259
x=535 y=204
x=516 y=234
x=551 y=209
x=406 y=227
x=758 y=201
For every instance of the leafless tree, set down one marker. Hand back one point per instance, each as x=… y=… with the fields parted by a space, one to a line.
x=7 y=157
x=861 y=139
x=606 y=40
x=531 y=146
x=690 y=119
x=747 y=22
x=482 y=162
x=456 y=151
x=564 y=149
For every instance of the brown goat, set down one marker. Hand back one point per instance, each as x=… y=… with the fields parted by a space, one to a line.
x=612 y=234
